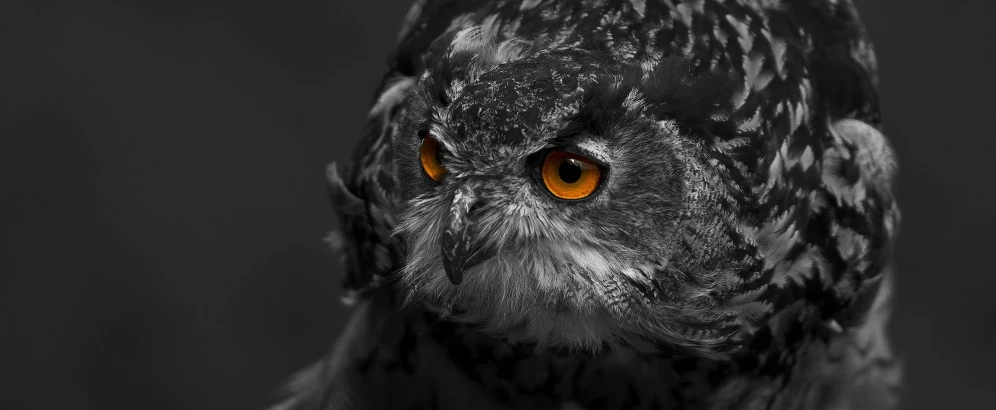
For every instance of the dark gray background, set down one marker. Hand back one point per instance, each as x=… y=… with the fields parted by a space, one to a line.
x=163 y=196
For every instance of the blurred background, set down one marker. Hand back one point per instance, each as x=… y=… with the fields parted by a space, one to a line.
x=163 y=196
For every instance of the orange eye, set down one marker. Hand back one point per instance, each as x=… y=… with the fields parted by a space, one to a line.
x=570 y=176
x=428 y=154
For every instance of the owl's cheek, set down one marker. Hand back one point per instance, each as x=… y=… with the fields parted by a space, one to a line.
x=406 y=171
x=410 y=184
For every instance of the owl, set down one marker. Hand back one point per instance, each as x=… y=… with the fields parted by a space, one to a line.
x=617 y=204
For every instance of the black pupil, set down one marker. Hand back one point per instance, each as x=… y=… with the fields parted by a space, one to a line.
x=570 y=171
x=438 y=153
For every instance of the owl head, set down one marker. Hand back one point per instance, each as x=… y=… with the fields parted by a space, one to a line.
x=552 y=194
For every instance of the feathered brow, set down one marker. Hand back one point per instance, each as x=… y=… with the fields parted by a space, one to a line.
x=699 y=103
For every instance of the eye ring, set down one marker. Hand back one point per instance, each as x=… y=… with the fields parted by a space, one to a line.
x=570 y=176
x=428 y=154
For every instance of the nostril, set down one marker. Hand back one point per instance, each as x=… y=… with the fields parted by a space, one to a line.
x=467 y=199
x=475 y=208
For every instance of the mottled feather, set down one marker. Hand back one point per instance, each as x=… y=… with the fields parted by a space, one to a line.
x=735 y=255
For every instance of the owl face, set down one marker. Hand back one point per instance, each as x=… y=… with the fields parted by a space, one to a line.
x=558 y=197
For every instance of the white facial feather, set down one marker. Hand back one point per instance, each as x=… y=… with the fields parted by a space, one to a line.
x=548 y=283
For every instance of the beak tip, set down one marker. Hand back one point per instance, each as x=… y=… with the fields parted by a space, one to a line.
x=454 y=273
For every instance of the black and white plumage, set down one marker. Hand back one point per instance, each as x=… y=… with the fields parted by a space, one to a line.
x=732 y=249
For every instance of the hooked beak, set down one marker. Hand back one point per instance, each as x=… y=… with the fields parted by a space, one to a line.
x=461 y=250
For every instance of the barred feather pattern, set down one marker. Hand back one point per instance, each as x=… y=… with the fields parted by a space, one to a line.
x=738 y=256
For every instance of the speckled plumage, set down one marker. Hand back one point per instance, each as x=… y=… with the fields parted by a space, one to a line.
x=736 y=255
